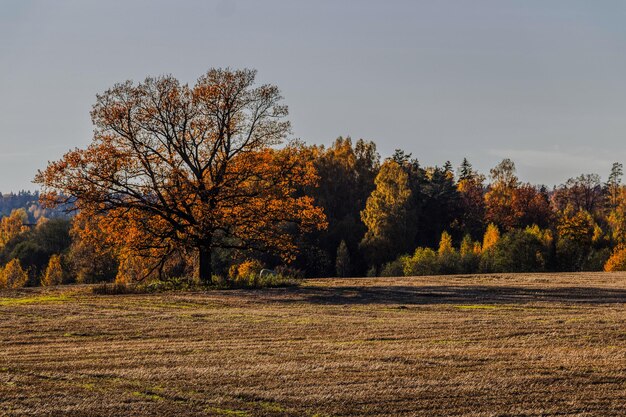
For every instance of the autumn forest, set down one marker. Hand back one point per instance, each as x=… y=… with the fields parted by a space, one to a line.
x=204 y=182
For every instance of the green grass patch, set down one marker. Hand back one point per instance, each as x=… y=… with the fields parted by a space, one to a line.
x=149 y=395
x=7 y=301
x=272 y=406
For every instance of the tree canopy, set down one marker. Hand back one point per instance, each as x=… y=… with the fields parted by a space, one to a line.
x=197 y=167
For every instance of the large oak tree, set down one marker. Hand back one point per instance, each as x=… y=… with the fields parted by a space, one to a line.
x=197 y=167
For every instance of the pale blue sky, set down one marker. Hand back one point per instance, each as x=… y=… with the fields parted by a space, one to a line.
x=542 y=82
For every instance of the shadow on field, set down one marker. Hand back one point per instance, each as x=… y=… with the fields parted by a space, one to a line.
x=457 y=295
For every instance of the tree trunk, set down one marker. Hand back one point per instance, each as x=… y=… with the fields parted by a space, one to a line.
x=205 y=271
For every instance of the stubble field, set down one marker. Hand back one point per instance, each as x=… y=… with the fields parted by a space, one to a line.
x=496 y=345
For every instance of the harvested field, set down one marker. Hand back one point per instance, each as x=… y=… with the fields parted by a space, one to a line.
x=497 y=345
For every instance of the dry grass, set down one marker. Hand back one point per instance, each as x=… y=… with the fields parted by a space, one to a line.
x=502 y=345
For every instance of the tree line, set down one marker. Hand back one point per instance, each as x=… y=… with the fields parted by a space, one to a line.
x=29 y=201
x=414 y=220
x=183 y=180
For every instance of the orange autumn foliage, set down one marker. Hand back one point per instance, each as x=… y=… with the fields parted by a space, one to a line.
x=13 y=275
x=173 y=167
x=12 y=225
x=617 y=260
x=53 y=274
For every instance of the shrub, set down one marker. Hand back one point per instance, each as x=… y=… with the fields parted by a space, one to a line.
x=448 y=259
x=423 y=262
x=276 y=280
x=151 y=286
x=517 y=251
x=393 y=268
x=469 y=255
x=571 y=255
x=449 y=263
x=115 y=288
x=247 y=275
x=288 y=271
x=13 y=276
x=246 y=270
x=486 y=261
x=191 y=284
x=54 y=273
x=617 y=261
x=597 y=259
x=170 y=284
x=256 y=281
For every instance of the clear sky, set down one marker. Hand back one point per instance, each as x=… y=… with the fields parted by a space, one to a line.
x=540 y=81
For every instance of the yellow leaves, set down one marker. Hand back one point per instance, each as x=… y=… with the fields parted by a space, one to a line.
x=544 y=235
x=54 y=273
x=467 y=246
x=617 y=261
x=389 y=198
x=423 y=262
x=477 y=249
x=445 y=244
x=578 y=226
x=12 y=226
x=492 y=235
x=465 y=185
x=245 y=270
x=13 y=275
